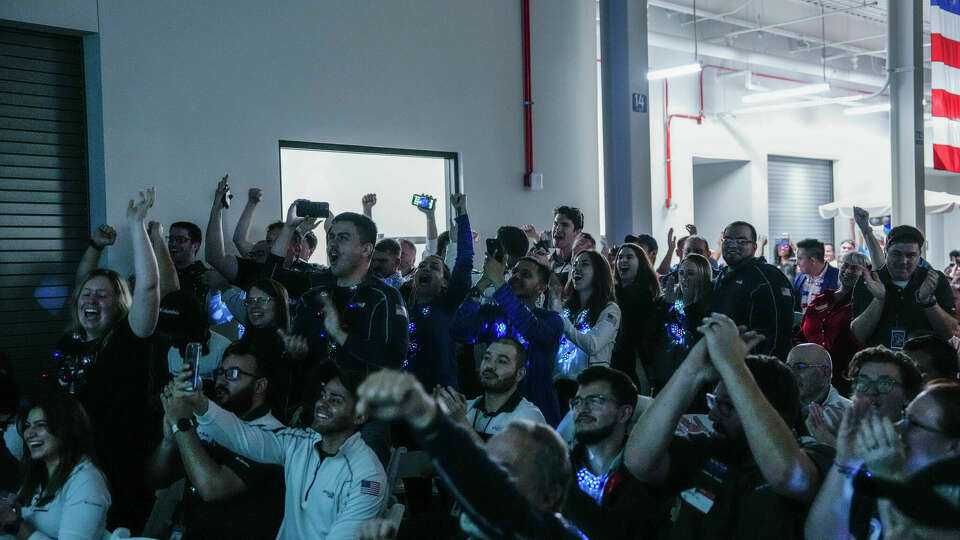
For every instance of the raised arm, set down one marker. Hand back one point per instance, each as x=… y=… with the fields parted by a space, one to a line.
x=146 y=293
x=214 y=251
x=368 y=202
x=544 y=330
x=102 y=237
x=664 y=267
x=241 y=234
x=430 y=214
x=460 y=279
x=603 y=333
x=646 y=453
x=785 y=465
x=169 y=280
x=862 y=218
x=865 y=323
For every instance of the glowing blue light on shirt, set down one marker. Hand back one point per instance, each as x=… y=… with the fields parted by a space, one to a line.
x=591 y=484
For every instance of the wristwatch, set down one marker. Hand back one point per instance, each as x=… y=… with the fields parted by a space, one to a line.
x=184 y=424
x=931 y=303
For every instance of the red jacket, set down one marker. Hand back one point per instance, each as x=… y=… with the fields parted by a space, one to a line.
x=828 y=325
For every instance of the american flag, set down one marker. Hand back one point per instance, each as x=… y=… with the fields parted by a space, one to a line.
x=945 y=68
x=369 y=487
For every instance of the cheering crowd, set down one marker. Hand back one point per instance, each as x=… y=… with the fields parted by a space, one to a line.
x=575 y=388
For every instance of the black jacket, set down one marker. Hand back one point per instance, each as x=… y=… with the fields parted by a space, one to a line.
x=759 y=296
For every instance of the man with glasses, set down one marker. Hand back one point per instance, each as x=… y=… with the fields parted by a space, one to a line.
x=904 y=297
x=752 y=477
x=225 y=495
x=184 y=243
x=605 y=500
x=885 y=379
x=753 y=293
x=822 y=405
x=334 y=481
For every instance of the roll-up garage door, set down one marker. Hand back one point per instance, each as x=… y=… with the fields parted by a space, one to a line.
x=796 y=188
x=44 y=217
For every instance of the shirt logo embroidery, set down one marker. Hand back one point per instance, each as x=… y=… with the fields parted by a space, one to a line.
x=369 y=487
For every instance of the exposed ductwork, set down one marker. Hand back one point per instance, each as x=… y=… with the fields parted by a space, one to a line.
x=751 y=58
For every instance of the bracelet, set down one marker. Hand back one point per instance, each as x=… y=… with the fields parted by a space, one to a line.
x=96 y=246
x=847 y=470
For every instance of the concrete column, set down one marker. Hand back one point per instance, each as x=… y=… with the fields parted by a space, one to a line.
x=626 y=119
x=905 y=61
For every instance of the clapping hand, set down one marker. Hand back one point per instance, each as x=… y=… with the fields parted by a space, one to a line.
x=872 y=281
x=880 y=447
x=294 y=345
x=925 y=293
x=451 y=402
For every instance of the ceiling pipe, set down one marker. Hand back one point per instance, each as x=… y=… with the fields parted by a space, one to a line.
x=794 y=21
x=752 y=58
x=527 y=97
x=677 y=8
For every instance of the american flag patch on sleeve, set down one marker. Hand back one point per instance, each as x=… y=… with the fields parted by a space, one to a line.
x=369 y=487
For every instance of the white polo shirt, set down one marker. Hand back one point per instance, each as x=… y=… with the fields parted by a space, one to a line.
x=489 y=423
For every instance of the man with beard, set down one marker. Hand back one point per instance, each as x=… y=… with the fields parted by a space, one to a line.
x=605 y=500
x=334 y=481
x=501 y=370
x=226 y=496
x=385 y=263
x=753 y=293
x=515 y=314
x=822 y=406
x=749 y=479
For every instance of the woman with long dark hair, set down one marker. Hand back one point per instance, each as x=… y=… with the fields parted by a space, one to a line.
x=63 y=493
x=104 y=361
x=637 y=289
x=591 y=320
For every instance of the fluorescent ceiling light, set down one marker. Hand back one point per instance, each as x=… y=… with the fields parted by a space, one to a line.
x=853 y=111
x=687 y=69
x=805 y=90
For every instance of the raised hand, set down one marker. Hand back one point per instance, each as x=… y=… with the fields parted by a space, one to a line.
x=104 y=236
x=223 y=186
x=369 y=201
x=136 y=213
x=691 y=229
x=155 y=231
x=394 y=395
x=294 y=345
x=293 y=221
x=861 y=217
x=849 y=426
x=819 y=427
x=671 y=240
x=763 y=242
x=331 y=319
x=874 y=285
x=180 y=398
x=880 y=447
x=459 y=202
x=929 y=286
x=723 y=340
x=531 y=232
x=453 y=403
x=254 y=196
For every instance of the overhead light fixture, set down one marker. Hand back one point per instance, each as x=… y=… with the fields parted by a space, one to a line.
x=854 y=111
x=686 y=69
x=805 y=90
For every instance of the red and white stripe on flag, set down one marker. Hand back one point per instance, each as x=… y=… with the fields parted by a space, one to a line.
x=945 y=68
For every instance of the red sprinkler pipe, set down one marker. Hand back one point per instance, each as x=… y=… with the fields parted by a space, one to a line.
x=527 y=96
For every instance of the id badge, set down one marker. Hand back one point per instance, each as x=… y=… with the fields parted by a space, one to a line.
x=898 y=336
x=698 y=498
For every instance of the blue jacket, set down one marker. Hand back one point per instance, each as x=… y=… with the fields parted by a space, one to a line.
x=831 y=280
x=432 y=355
x=539 y=330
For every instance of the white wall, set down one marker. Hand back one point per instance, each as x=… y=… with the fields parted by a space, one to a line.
x=192 y=90
x=717 y=187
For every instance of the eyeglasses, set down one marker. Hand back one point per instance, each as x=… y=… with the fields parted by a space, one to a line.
x=593 y=401
x=882 y=385
x=257 y=301
x=802 y=366
x=232 y=374
x=724 y=407
x=178 y=239
x=737 y=241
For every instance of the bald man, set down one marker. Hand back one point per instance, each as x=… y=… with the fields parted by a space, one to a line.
x=823 y=406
